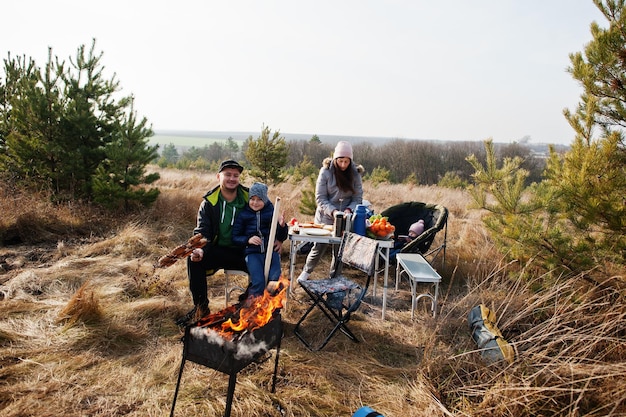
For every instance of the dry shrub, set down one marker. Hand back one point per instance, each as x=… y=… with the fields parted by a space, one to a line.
x=44 y=224
x=175 y=179
x=7 y=336
x=49 y=282
x=175 y=211
x=290 y=198
x=82 y=307
x=176 y=207
x=14 y=202
x=132 y=241
x=29 y=217
x=148 y=281
x=570 y=352
x=25 y=285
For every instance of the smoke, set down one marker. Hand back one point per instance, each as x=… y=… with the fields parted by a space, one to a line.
x=247 y=346
x=211 y=336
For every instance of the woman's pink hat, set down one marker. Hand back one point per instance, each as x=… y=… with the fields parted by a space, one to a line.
x=343 y=150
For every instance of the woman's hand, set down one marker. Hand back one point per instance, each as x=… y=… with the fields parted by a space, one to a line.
x=255 y=240
x=277 y=245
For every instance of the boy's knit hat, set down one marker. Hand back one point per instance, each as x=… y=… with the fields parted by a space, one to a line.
x=260 y=190
x=417 y=227
x=343 y=150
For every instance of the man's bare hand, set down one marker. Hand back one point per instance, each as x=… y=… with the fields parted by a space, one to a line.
x=196 y=255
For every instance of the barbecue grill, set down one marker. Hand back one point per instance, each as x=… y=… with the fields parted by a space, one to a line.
x=204 y=343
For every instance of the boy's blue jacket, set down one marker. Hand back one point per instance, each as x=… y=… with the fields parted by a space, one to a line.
x=256 y=223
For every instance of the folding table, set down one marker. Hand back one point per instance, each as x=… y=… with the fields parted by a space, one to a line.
x=417 y=270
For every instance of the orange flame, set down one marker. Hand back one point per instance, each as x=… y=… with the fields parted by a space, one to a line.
x=254 y=313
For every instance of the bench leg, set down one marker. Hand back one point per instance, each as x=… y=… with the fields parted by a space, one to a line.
x=227 y=288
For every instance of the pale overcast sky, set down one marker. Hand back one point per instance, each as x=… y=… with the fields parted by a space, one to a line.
x=452 y=70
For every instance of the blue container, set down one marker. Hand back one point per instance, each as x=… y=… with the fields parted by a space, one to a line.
x=366 y=412
x=358 y=221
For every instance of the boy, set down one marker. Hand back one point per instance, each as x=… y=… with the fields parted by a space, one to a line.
x=252 y=229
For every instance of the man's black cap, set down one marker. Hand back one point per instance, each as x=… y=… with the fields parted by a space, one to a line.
x=230 y=163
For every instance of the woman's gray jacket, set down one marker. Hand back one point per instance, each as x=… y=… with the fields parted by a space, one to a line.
x=329 y=197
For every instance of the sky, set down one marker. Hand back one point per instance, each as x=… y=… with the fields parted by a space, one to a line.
x=407 y=69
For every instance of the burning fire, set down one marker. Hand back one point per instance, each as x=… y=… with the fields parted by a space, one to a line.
x=251 y=314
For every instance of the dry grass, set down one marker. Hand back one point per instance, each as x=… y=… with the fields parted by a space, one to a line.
x=88 y=328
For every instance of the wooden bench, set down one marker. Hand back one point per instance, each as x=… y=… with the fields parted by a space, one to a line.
x=417 y=270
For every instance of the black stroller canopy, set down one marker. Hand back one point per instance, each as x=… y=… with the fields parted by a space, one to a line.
x=435 y=217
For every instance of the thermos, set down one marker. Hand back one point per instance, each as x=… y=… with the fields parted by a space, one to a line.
x=358 y=223
x=340 y=224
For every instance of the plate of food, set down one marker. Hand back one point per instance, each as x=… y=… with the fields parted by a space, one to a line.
x=314 y=231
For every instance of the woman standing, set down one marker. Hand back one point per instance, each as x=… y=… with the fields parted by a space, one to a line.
x=339 y=188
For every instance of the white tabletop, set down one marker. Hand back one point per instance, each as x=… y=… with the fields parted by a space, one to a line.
x=418 y=267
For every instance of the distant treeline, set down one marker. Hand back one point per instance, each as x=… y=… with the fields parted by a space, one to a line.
x=418 y=161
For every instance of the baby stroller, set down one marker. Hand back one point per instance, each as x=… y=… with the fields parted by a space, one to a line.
x=435 y=218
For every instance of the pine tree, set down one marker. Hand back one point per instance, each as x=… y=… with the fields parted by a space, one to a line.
x=88 y=120
x=505 y=184
x=169 y=155
x=61 y=126
x=575 y=219
x=517 y=224
x=232 y=147
x=307 y=202
x=268 y=156
x=590 y=180
x=31 y=106
x=120 y=177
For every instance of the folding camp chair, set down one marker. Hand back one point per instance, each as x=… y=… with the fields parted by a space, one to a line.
x=435 y=218
x=337 y=297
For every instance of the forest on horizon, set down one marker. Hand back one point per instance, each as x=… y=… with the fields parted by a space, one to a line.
x=425 y=162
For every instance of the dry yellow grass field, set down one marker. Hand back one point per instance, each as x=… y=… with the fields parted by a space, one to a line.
x=87 y=324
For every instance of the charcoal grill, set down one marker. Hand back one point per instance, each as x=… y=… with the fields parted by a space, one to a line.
x=205 y=346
